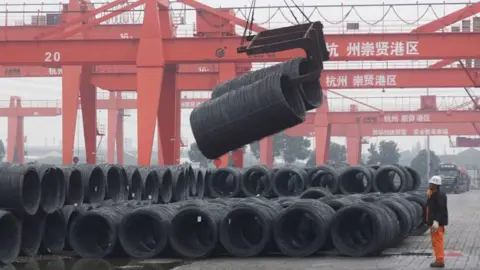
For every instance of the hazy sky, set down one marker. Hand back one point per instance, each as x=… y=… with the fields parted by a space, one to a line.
x=43 y=130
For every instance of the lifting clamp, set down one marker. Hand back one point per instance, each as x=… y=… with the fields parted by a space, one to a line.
x=309 y=37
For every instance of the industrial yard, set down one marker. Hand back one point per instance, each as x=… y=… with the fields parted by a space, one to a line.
x=275 y=82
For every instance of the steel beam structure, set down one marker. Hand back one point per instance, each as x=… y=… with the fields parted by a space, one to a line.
x=16 y=114
x=359 y=47
x=331 y=79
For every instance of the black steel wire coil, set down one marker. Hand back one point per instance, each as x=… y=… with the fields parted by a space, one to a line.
x=70 y=213
x=20 y=188
x=144 y=232
x=246 y=115
x=94 y=234
x=303 y=228
x=113 y=182
x=356 y=179
x=73 y=185
x=51 y=187
x=289 y=181
x=32 y=233
x=62 y=194
x=165 y=185
x=246 y=230
x=54 y=233
x=194 y=227
x=361 y=229
x=256 y=181
x=150 y=184
x=93 y=180
x=199 y=183
x=311 y=90
x=134 y=183
x=323 y=176
x=10 y=236
x=224 y=183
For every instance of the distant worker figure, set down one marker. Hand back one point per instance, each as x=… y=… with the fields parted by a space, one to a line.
x=437 y=219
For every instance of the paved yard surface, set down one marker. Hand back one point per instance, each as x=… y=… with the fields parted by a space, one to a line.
x=462 y=248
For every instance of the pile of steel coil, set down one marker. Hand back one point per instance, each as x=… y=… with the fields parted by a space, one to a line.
x=101 y=210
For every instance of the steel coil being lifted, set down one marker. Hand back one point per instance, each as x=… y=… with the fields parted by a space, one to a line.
x=245 y=115
x=266 y=101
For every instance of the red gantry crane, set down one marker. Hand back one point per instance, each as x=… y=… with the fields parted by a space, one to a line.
x=79 y=43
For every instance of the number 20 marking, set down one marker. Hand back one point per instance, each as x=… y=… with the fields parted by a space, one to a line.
x=52 y=57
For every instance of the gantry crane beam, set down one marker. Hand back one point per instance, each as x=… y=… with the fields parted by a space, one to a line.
x=362 y=47
x=331 y=79
x=385 y=117
x=391 y=129
x=16 y=113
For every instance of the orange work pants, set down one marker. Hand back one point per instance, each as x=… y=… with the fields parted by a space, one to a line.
x=438 y=243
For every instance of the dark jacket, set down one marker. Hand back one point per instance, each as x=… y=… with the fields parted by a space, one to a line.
x=437 y=208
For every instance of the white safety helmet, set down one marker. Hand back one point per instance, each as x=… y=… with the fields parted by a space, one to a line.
x=437 y=180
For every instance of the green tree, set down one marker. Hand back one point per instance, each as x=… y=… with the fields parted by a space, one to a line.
x=337 y=155
x=374 y=156
x=278 y=146
x=419 y=163
x=389 y=153
x=290 y=148
x=2 y=151
x=195 y=155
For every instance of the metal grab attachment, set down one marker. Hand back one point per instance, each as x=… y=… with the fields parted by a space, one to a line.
x=308 y=37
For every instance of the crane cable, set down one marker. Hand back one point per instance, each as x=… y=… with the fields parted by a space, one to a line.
x=249 y=23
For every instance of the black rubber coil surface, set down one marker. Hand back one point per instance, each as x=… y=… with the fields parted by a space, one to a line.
x=246 y=115
x=246 y=230
x=356 y=179
x=144 y=232
x=54 y=233
x=113 y=182
x=94 y=234
x=224 y=183
x=289 y=181
x=73 y=185
x=310 y=90
x=10 y=237
x=20 y=188
x=323 y=176
x=256 y=181
x=50 y=186
x=303 y=228
x=134 y=183
x=150 y=184
x=94 y=183
x=194 y=228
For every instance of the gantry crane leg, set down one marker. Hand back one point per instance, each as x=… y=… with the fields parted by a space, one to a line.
x=15 y=144
x=150 y=76
x=168 y=116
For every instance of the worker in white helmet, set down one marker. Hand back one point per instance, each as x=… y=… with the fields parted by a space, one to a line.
x=437 y=219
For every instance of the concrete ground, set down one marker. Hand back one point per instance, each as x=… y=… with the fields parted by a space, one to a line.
x=462 y=248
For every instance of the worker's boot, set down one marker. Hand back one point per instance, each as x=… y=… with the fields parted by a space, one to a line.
x=437 y=265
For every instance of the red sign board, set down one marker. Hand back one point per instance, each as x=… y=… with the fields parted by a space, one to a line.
x=468 y=142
